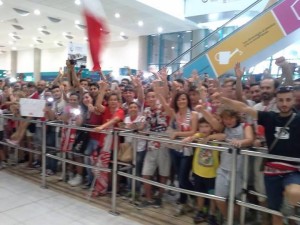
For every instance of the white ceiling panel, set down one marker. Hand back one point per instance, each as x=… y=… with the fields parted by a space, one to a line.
x=131 y=12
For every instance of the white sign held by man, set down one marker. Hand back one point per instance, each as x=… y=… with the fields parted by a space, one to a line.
x=32 y=107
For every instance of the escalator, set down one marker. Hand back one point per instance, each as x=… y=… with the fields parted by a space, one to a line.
x=267 y=32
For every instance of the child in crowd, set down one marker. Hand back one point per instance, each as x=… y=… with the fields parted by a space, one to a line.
x=238 y=135
x=136 y=122
x=205 y=165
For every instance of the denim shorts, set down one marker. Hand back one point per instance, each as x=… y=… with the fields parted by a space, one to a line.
x=275 y=186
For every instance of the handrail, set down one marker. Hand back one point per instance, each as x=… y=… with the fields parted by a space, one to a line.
x=168 y=187
x=169 y=141
x=214 y=32
x=165 y=139
x=269 y=156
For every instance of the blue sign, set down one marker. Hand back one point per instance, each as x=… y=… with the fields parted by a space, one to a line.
x=202 y=65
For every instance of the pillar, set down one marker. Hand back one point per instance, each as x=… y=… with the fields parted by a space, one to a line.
x=37 y=64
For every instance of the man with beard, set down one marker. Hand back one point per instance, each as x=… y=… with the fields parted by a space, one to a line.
x=268 y=104
x=41 y=86
x=282 y=178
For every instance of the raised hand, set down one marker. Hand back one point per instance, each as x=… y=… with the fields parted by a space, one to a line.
x=238 y=71
x=103 y=85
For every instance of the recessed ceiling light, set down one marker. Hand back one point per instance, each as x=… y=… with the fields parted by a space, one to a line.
x=58 y=43
x=10 y=42
x=77 y=2
x=122 y=34
x=173 y=47
x=37 y=12
x=68 y=35
x=141 y=23
x=117 y=15
x=31 y=45
x=77 y=22
x=188 y=31
x=21 y=12
x=18 y=27
x=159 y=29
x=1 y=3
x=54 y=20
x=14 y=48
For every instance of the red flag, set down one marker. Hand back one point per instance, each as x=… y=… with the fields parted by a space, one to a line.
x=96 y=29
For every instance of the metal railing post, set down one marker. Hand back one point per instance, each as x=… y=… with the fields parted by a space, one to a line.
x=44 y=163
x=64 y=168
x=114 y=175
x=133 y=181
x=231 y=202
x=245 y=188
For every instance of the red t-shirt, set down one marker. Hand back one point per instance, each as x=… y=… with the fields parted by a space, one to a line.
x=107 y=115
x=95 y=120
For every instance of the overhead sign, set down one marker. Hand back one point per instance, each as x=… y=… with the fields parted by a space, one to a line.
x=260 y=39
x=245 y=43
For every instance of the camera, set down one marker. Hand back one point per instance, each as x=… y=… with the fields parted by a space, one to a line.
x=76 y=112
x=72 y=61
x=49 y=101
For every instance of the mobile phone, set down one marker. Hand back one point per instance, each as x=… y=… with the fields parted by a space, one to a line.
x=113 y=86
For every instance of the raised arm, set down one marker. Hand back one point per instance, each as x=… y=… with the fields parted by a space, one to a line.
x=216 y=125
x=103 y=86
x=239 y=86
x=158 y=91
x=287 y=74
x=139 y=87
x=236 y=105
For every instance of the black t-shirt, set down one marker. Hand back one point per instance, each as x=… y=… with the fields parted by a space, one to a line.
x=289 y=140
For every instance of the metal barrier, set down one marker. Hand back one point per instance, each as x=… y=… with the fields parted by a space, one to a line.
x=163 y=139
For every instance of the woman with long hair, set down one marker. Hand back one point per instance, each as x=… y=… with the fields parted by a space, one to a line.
x=184 y=124
x=86 y=142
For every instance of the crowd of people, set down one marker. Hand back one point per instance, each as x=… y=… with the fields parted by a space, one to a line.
x=194 y=109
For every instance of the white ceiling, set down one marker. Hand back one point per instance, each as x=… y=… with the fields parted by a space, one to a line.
x=131 y=12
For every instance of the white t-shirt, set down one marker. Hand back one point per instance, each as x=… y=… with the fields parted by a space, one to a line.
x=141 y=144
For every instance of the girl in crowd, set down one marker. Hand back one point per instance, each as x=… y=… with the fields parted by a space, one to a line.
x=91 y=117
x=136 y=122
x=71 y=116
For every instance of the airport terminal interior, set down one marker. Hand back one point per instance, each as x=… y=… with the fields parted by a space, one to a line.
x=155 y=112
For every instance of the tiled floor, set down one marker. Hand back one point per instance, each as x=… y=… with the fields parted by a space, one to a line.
x=25 y=203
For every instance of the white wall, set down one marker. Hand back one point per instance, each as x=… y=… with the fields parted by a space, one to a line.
x=116 y=55
x=25 y=61
x=120 y=54
x=53 y=59
x=5 y=61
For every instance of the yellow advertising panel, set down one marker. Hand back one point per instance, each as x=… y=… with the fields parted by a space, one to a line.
x=245 y=43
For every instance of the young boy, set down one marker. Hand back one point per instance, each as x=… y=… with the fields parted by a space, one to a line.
x=205 y=165
x=239 y=135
